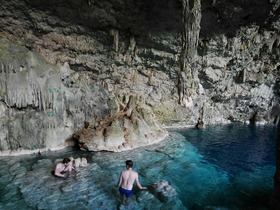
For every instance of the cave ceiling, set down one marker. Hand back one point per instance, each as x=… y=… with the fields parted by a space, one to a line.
x=155 y=16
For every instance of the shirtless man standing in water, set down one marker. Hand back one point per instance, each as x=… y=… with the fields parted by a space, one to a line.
x=62 y=167
x=127 y=179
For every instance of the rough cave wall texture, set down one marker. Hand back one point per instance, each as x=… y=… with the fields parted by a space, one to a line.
x=67 y=66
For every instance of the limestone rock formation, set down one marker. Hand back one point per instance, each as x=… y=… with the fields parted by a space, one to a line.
x=108 y=72
x=40 y=101
x=63 y=63
x=44 y=104
x=134 y=125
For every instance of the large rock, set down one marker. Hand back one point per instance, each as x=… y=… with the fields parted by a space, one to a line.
x=133 y=126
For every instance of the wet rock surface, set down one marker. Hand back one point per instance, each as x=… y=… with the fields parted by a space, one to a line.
x=27 y=182
x=163 y=190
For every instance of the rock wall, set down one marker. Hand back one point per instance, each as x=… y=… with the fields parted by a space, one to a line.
x=40 y=103
x=66 y=63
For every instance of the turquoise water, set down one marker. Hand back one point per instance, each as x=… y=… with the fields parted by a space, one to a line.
x=217 y=167
x=239 y=166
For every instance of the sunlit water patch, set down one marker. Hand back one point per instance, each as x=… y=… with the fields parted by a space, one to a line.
x=217 y=167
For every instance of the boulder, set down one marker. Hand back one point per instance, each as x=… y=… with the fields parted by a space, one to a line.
x=163 y=191
x=134 y=125
x=80 y=162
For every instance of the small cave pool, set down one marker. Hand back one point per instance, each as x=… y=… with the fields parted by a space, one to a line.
x=217 y=167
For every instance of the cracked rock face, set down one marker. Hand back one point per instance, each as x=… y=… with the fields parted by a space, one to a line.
x=65 y=63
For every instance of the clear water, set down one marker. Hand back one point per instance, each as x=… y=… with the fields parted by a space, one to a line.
x=217 y=167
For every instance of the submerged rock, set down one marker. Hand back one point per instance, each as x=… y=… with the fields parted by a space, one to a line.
x=164 y=191
x=80 y=162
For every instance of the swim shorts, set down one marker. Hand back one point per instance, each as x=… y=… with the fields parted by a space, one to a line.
x=127 y=193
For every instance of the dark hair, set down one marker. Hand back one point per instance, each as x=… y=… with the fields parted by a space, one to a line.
x=66 y=160
x=129 y=163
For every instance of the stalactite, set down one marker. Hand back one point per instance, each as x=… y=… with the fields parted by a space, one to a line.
x=132 y=44
x=2 y=66
x=115 y=34
x=191 y=16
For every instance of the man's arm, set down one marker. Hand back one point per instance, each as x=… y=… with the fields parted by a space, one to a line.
x=57 y=171
x=69 y=168
x=138 y=183
x=120 y=180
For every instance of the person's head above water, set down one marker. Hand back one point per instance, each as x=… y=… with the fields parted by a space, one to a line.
x=66 y=160
x=129 y=164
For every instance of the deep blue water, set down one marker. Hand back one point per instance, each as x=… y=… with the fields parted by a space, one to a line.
x=235 y=147
x=244 y=159
x=216 y=167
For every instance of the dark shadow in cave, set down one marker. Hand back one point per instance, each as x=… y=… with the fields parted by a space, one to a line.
x=156 y=16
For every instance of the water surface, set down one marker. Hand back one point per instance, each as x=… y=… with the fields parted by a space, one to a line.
x=217 y=167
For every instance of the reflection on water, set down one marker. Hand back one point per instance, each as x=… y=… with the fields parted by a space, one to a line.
x=218 y=167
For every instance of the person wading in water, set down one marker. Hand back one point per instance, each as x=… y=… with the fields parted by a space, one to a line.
x=63 y=167
x=126 y=181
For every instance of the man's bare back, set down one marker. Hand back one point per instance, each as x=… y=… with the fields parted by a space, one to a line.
x=128 y=177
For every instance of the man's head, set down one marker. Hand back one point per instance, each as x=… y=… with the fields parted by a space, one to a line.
x=66 y=160
x=129 y=164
